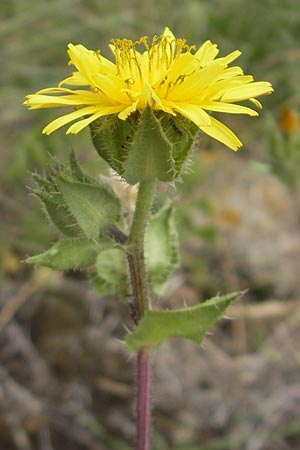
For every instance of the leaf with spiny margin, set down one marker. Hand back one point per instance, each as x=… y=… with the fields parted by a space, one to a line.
x=43 y=183
x=150 y=153
x=111 y=272
x=76 y=172
x=189 y=323
x=93 y=206
x=161 y=248
x=58 y=213
x=69 y=254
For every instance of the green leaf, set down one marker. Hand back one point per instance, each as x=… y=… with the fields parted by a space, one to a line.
x=111 y=272
x=76 y=172
x=43 y=183
x=161 y=248
x=150 y=153
x=189 y=323
x=93 y=206
x=68 y=254
x=58 y=213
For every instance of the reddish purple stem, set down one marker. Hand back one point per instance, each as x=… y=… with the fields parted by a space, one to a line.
x=143 y=400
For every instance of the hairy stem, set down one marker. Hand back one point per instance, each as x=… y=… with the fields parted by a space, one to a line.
x=141 y=303
x=135 y=246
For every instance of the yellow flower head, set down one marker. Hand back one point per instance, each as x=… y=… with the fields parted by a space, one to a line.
x=167 y=75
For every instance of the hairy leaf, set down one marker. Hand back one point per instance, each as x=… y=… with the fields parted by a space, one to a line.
x=189 y=323
x=58 y=213
x=69 y=254
x=161 y=248
x=76 y=172
x=111 y=272
x=93 y=206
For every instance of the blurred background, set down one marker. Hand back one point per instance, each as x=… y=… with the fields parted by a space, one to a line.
x=65 y=377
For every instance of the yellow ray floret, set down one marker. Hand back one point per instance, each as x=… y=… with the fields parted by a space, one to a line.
x=167 y=75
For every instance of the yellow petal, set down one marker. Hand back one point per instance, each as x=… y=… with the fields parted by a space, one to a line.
x=221 y=86
x=231 y=72
x=256 y=102
x=75 y=99
x=89 y=62
x=127 y=111
x=230 y=57
x=228 y=108
x=63 y=120
x=55 y=90
x=81 y=57
x=167 y=32
x=183 y=65
x=206 y=53
x=247 y=91
x=196 y=84
x=194 y=113
x=78 y=126
x=76 y=79
x=111 y=86
x=221 y=133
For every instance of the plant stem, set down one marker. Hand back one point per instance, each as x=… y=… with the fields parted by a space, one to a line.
x=141 y=303
x=143 y=424
x=135 y=246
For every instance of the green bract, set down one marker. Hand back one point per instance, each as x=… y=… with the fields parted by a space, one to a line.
x=147 y=145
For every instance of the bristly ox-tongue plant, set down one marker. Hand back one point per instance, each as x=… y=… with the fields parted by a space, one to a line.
x=144 y=110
